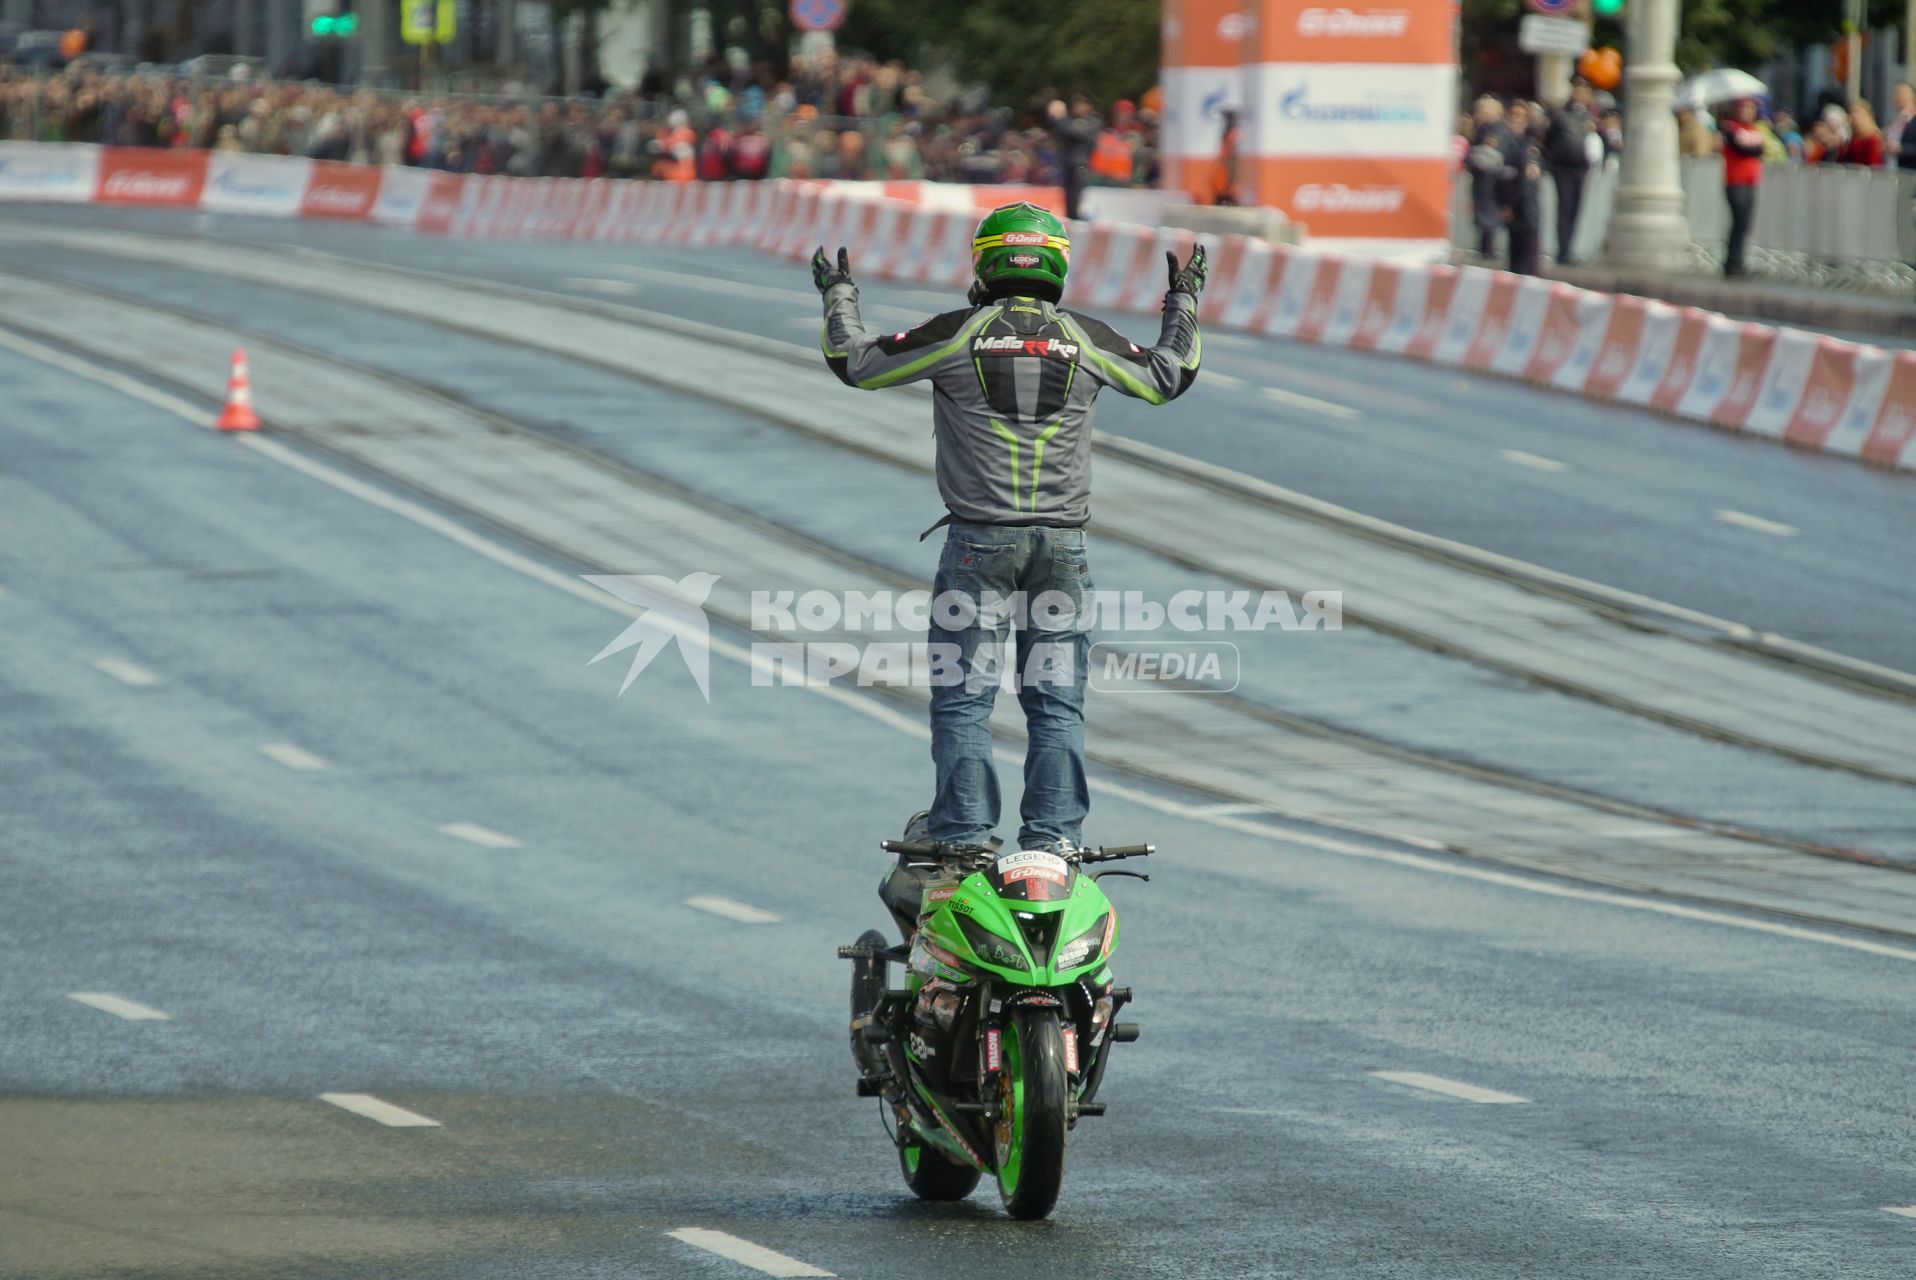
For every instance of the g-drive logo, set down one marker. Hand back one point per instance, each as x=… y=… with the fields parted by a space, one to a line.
x=1371 y=24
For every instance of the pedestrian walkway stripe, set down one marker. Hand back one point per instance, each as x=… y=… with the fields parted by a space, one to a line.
x=364 y=1104
x=292 y=757
x=126 y=672
x=1449 y=1088
x=1311 y=404
x=118 y=1006
x=731 y=910
x=476 y=834
x=756 y=1256
x=1535 y=461
x=1744 y=520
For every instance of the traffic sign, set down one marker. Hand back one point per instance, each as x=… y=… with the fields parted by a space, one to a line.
x=428 y=21
x=1538 y=34
x=1551 y=6
x=819 y=15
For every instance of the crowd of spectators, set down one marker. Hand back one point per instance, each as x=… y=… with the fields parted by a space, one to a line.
x=1839 y=132
x=826 y=118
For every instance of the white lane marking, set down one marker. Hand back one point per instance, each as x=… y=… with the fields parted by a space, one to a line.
x=756 y=1256
x=292 y=757
x=119 y=1006
x=1311 y=404
x=1903 y=1210
x=364 y=1104
x=1233 y=810
x=915 y=727
x=126 y=672
x=1449 y=1088
x=1744 y=520
x=731 y=910
x=594 y=284
x=1228 y=380
x=758 y=291
x=1536 y=462
x=486 y=836
x=1505 y=879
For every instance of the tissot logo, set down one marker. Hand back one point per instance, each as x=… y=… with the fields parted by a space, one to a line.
x=1370 y=24
x=1335 y=197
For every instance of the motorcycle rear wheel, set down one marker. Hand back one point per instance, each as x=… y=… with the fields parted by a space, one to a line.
x=1034 y=1095
x=933 y=1176
x=868 y=989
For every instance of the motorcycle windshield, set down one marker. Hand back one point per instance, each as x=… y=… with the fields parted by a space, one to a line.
x=1033 y=875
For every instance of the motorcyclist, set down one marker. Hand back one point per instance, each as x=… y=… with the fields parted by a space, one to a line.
x=1014 y=378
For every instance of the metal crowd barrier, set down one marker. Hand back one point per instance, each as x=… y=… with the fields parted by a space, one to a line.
x=1821 y=215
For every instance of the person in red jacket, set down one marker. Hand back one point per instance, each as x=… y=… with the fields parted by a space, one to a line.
x=1742 y=172
x=1865 y=145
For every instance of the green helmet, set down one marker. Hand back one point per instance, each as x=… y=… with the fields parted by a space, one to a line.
x=1021 y=242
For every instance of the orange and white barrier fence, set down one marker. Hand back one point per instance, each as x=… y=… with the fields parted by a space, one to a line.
x=1807 y=390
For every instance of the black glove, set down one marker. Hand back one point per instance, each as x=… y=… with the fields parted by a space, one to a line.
x=977 y=295
x=1190 y=277
x=825 y=275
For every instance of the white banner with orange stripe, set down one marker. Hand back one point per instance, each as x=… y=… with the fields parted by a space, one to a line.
x=1348 y=121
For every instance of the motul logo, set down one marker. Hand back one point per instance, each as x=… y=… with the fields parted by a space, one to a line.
x=1372 y=24
x=1335 y=197
x=148 y=186
x=337 y=199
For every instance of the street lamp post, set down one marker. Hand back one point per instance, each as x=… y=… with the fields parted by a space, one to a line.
x=1649 y=231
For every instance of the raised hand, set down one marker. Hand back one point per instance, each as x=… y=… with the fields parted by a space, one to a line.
x=825 y=275
x=1190 y=277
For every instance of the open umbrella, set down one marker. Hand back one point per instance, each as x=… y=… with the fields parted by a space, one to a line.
x=1701 y=92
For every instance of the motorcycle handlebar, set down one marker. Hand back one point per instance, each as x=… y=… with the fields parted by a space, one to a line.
x=934 y=849
x=1111 y=853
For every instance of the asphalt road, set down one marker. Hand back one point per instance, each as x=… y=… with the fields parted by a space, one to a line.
x=1355 y=680
x=1612 y=495
x=341 y=797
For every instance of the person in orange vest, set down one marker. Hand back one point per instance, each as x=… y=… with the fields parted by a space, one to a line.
x=1111 y=159
x=678 y=150
x=1223 y=184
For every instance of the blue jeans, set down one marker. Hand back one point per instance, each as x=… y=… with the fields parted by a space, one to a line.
x=983 y=564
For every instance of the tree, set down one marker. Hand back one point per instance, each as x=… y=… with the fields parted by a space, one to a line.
x=1018 y=48
x=1714 y=33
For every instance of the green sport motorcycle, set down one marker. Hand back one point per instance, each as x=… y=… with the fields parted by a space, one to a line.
x=998 y=1041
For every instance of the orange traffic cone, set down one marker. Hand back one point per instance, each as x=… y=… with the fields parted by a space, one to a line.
x=238 y=414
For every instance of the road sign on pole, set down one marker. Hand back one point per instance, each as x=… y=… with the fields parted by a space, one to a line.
x=1538 y=34
x=428 y=21
x=819 y=15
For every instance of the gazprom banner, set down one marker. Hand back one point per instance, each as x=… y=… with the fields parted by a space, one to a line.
x=1349 y=117
x=268 y=185
x=1203 y=75
x=37 y=171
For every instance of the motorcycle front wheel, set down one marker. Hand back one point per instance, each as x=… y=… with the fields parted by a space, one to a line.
x=1033 y=1096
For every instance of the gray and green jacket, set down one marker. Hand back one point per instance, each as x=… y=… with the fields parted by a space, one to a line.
x=1013 y=383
